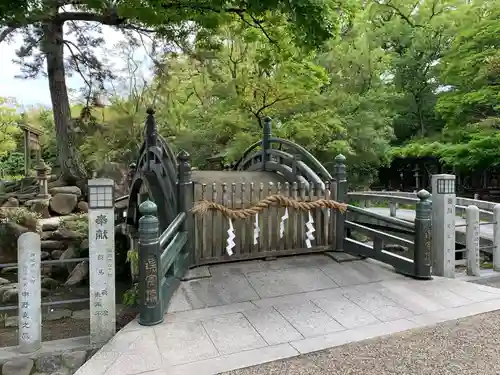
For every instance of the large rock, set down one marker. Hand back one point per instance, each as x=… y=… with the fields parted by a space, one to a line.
x=19 y=366
x=79 y=274
x=64 y=234
x=49 y=364
x=53 y=245
x=83 y=207
x=70 y=253
x=75 y=190
x=10 y=232
x=11 y=203
x=40 y=206
x=74 y=360
x=63 y=203
x=118 y=173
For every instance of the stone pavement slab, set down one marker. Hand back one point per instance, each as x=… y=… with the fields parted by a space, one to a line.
x=233 y=330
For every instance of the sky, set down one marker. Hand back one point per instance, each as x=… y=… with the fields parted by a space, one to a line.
x=34 y=92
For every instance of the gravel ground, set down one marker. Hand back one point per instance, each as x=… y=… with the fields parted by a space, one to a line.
x=469 y=346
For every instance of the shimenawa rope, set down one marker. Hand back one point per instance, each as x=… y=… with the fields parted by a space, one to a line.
x=202 y=207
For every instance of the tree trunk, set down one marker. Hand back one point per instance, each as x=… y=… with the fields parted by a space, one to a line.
x=72 y=169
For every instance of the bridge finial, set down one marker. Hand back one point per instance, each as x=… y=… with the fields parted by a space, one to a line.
x=423 y=194
x=148 y=208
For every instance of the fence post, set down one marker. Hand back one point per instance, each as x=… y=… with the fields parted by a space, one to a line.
x=186 y=197
x=443 y=225
x=340 y=177
x=29 y=250
x=392 y=209
x=102 y=260
x=496 y=237
x=266 y=143
x=472 y=240
x=150 y=299
x=423 y=225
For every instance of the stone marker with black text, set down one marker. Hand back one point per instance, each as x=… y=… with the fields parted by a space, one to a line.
x=102 y=260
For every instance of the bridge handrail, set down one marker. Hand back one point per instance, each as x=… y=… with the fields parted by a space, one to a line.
x=379 y=234
x=387 y=219
x=392 y=198
x=461 y=201
x=172 y=230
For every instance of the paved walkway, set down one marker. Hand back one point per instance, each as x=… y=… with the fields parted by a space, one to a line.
x=255 y=312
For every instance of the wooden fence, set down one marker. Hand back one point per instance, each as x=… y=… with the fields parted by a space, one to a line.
x=211 y=228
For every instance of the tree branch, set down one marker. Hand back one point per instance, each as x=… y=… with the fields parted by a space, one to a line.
x=7 y=31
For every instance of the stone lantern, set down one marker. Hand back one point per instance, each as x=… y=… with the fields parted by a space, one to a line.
x=42 y=175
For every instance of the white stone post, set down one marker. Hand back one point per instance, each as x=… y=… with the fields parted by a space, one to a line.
x=443 y=225
x=392 y=209
x=30 y=292
x=496 y=237
x=102 y=260
x=472 y=240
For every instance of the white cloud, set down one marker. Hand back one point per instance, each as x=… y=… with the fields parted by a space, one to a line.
x=36 y=91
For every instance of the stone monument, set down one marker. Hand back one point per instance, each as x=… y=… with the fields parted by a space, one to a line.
x=443 y=225
x=102 y=260
x=30 y=292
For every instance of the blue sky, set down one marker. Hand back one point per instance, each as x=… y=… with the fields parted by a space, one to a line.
x=35 y=92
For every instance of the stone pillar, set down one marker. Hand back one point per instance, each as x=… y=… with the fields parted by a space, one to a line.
x=150 y=298
x=42 y=175
x=472 y=241
x=443 y=225
x=340 y=177
x=30 y=292
x=422 y=250
x=496 y=237
x=102 y=260
x=186 y=197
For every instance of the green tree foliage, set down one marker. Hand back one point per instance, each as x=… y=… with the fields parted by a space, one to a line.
x=42 y=25
x=9 y=126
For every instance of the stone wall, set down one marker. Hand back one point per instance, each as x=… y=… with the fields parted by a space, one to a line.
x=65 y=363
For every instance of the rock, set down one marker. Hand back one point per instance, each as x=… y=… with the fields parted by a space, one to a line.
x=79 y=274
x=9 y=269
x=11 y=203
x=10 y=233
x=85 y=244
x=47 y=269
x=63 y=203
x=49 y=363
x=74 y=190
x=40 y=205
x=81 y=314
x=83 y=206
x=50 y=226
x=45 y=292
x=61 y=371
x=10 y=296
x=74 y=360
x=53 y=245
x=44 y=255
x=58 y=315
x=4 y=281
x=47 y=235
x=70 y=253
x=11 y=321
x=18 y=366
x=56 y=254
x=64 y=234
x=49 y=283
x=119 y=175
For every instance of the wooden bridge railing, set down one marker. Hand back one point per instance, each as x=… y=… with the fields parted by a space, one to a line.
x=164 y=257
x=408 y=256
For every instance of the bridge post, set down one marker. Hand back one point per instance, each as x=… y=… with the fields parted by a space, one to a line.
x=186 y=196
x=443 y=225
x=423 y=223
x=266 y=142
x=341 y=179
x=472 y=241
x=496 y=238
x=150 y=299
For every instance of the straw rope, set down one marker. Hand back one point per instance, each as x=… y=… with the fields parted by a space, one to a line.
x=202 y=207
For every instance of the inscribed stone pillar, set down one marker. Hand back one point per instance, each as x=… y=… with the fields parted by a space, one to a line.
x=30 y=298
x=102 y=260
x=443 y=225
